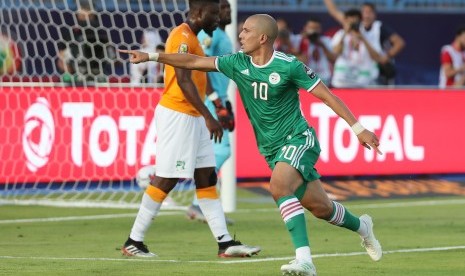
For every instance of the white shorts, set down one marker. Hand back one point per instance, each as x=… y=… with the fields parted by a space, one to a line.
x=183 y=144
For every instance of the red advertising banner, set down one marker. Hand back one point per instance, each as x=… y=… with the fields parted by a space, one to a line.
x=69 y=134
x=420 y=131
x=73 y=134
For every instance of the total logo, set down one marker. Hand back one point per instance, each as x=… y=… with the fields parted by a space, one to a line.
x=38 y=134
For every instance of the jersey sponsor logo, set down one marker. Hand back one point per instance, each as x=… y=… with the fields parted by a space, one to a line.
x=309 y=72
x=274 y=78
x=183 y=48
x=245 y=72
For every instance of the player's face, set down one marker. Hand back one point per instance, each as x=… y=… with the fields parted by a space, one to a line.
x=225 y=13
x=249 y=37
x=210 y=18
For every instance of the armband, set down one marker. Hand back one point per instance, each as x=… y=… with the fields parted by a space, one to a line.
x=153 y=56
x=357 y=128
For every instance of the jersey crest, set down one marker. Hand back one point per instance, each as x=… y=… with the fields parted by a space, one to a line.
x=183 y=48
x=274 y=78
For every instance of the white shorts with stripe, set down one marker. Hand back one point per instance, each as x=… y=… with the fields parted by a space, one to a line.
x=183 y=144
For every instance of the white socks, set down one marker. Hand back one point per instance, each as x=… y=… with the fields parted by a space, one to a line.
x=363 y=230
x=213 y=212
x=303 y=253
x=147 y=211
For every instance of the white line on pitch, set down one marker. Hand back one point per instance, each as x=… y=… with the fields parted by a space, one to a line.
x=252 y=260
x=72 y=218
x=378 y=205
x=259 y=210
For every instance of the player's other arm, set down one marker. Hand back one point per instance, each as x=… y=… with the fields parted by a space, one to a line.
x=183 y=61
x=367 y=138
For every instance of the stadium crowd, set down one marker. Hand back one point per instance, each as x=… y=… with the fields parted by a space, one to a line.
x=360 y=51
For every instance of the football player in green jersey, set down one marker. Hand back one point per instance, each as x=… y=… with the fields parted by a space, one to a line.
x=268 y=82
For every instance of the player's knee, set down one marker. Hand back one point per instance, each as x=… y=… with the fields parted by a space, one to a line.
x=279 y=191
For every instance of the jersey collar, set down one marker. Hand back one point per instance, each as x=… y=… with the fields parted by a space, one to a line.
x=264 y=65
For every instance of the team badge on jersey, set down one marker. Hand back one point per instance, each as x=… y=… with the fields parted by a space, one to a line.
x=309 y=72
x=274 y=78
x=183 y=48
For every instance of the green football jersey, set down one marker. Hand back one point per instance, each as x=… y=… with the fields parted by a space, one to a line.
x=270 y=94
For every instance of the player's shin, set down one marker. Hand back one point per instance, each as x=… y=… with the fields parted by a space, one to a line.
x=210 y=205
x=149 y=207
x=293 y=215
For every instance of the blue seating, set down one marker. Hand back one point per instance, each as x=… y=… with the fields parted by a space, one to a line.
x=384 y=5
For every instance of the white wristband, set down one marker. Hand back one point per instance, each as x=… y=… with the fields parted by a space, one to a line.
x=213 y=96
x=153 y=56
x=357 y=128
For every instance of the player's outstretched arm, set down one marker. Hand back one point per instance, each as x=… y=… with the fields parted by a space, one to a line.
x=184 y=61
x=366 y=138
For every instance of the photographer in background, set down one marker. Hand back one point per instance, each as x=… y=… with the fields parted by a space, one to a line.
x=285 y=41
x=391 y=43
x=315 y=50
x=356 y=62
x=379 y=35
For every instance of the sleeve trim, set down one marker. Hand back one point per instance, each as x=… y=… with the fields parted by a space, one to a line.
x=216 y=65
x=313 y=86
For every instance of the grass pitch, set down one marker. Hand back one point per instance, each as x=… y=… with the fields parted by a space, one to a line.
x=420 y=237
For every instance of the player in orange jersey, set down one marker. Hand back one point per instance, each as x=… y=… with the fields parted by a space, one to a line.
x=185 y=128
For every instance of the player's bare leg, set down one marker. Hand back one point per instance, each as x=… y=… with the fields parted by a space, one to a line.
x=317 y=202
x=284 y=181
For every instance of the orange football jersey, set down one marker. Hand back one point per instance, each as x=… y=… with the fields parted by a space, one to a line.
x=182 y=40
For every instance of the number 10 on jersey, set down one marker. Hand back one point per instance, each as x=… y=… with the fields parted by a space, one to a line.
x=260 y=90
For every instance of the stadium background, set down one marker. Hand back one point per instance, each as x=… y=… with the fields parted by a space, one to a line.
x=424 y=161
x=425 y=25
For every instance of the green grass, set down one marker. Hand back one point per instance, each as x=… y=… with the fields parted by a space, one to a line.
x=89 y=247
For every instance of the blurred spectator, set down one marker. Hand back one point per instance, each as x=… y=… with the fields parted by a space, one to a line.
x=391 y=43
x=316 y=51
x=452 y=72
x=10 y=57
x=376 y=33
x=286 y=40
x=148 y=72
x=85 y=54
x=64 y=63
x=356 y=62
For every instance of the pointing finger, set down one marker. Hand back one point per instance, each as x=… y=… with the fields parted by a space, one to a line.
x=377 y=149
